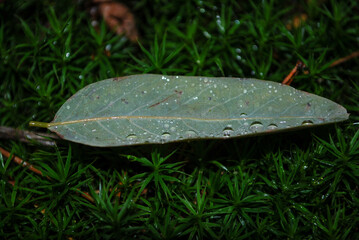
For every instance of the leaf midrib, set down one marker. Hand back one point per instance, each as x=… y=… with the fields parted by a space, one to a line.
x=174 y=118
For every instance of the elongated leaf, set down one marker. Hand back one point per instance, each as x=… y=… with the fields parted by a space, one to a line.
x=150 y=108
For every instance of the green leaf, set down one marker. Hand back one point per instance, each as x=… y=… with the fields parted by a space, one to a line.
x=144 y=109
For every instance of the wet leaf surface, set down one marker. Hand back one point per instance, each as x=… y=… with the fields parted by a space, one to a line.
x=148 y=108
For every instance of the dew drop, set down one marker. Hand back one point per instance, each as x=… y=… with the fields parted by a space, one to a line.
x=94 y=23
x=207 y=34
x=173 y=129
x=228 y=131
x=67 y=54
x=190 y=133
x=108 y=47
x=272 y=126
x=307 y=122
x=131 y=137
x=243 y=115
x=256 y=127
x=165 y=136
x=166 y=125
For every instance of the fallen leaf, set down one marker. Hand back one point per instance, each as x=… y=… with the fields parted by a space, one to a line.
x=144 y=109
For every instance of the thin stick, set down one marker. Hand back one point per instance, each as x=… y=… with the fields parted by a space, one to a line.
x=289 y=78
x=300 y=65
x=21 y=162
x=344 y=59
x=27 y=136
x=35 y=170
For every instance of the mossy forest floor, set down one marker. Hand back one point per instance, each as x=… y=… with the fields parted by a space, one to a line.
x=296 y=185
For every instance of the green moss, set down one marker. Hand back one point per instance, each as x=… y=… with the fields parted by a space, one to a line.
x=297 y=185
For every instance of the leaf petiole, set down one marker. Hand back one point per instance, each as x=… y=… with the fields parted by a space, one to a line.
x=39 y=124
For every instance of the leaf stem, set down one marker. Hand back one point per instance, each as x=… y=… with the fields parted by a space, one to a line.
x=39 y=124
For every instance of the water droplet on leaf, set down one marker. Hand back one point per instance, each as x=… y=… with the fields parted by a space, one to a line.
x=228 y=131
x=190 y=133
x=165 y=136
x=256 y=127
x=272 y=126
x=307 y=122
x=131 y=137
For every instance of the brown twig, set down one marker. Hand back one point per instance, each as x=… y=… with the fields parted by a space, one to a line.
x=289 y=78
x=23 y=163
x=344 y=59
x=27 y=136
x=301 y=65
x=35 y=170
